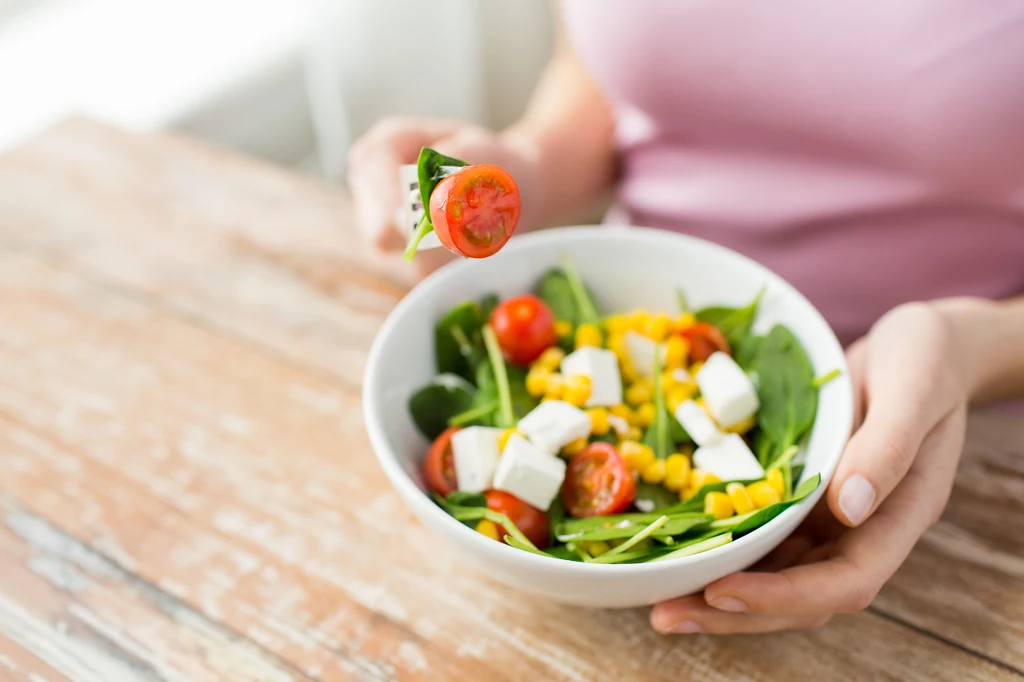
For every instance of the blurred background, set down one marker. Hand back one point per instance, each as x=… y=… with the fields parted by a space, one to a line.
x=292 y=81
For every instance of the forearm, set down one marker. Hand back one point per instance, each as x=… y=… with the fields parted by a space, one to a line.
x=989 y=340
x=567 y=133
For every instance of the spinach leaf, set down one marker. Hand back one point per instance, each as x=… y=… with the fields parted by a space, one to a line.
x=785 y=388
x=741 y=525
x=562 y=552
x=457 y=347
x=429 y=173
x=659 y=436
x=746 y=350
x=555 y=291
x=488 y=394
x=618 y=526
x=478 y=415
x=733 y=322
x=696 y=546
x=461 y=498
x=506 y=416
x=650 y=497
x=585 y=306
x=446 y=396
x=522 y=401
x=487 y=305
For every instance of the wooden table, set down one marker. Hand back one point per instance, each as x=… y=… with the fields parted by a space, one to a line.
x=187 y=491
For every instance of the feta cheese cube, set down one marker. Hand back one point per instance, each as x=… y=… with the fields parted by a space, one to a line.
x=531 y=474
x=619 y=425
x=641 y=352
x=727 y=390
x=475 y=454
x=681 y=375
x=697 y=423
x=554 y=424
x=729 y=458
x=602 y=367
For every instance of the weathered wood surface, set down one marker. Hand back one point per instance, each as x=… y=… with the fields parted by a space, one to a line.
x=187 y=490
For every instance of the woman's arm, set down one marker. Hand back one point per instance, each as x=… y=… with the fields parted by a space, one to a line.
x=989 y=336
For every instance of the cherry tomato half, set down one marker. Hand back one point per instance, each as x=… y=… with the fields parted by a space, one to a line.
x=525 y=328
x=598 y=481
x=439 y=466
x=532 y=521
x=704 y=340
x=475 y=210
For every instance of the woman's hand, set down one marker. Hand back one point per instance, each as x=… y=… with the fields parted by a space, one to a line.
x=892 y=483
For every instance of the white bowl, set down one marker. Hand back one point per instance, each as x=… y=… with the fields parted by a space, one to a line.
x=627 y=268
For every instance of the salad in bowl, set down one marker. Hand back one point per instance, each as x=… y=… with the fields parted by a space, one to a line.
x=608 y=416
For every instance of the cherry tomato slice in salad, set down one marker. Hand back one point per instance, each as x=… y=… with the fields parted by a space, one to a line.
x=704 y=340
x=597 y=482
x=532 y=521
x=525 y=327
x=475 y=210
x=439 y=466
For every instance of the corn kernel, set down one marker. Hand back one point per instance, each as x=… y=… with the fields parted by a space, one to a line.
x=653 y=472
x=628 y=371
x=550 y=359
x=676 y=350
x=620 y=411
x=617 y=345
x=488 y=528
x=563 y=328
x=637 y=455
x=617 y=324
x=640 y=392
x=718 y=505
x=694 y=368
x=668 y=381
x=595 y=547
x=555 y=388
x=743 y=426
x=588 y=335
x=577 y=390
x=683 y=322
x=537 y=380
x=777 y=481
x=643 y=415
x=505 y=435
x=657 y=327
x=574 y=447
x=700 y=478
x=741 y=501
x=635 y=433
x=762 y=494
x=679 y=394
x=638 y=321
x=599 y=424
x=677 y=472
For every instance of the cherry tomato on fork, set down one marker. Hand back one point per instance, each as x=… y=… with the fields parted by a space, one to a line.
x=597 y=482
x=525 y=327
x=439 y=465
x=704 y=340
x=475 y=210
x=532 y=521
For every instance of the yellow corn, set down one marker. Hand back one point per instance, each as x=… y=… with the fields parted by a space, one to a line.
x=694 y=368
x=679 y=394
x=743 y=426
x=640 y=392
x=668 y=381
x=488 y=528
x=718 y=505
x=595 y=547
x=677 y=472
x=657 y=327
x=776 y=481
x=643 y=415
x=550 y=359
x=617 y=324
x=629 y=373
x=555 y=388
x=637 y=455
x=638 y=321
x=635 y=433
x=653 y=472
x=617 y=345
x=598 y=421
x=505 y=435
x=741 y=501
x=700 y=478
x=762 y=494
x=537 y=380
x=574 y=447
x=683 y=322
x=620 y=411
x=588 y=335
x=676 y=350
x=577 y=390
x=563 y=328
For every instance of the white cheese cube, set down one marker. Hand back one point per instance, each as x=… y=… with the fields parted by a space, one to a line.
x=727 y=390
x=729 y=458
x=554 y=424
x=531 y=474
x=602 y=367
x=641 y=352
x=681 y=375
x=475 y=454
x=697 y=423
x=619 y=425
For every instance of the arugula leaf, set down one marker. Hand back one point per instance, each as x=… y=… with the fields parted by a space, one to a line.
x=684 y=305
x=789 y=400
x=487 y=305
x=658 y=436
x=555 y=291
x=640 y=536
x=697 y=546
x=479 y=415
x=617 y=526
x=461 y=498
x=432 y=406
x=655 y=496
x=734 y=323
x=488 y=393
x=429 y=173
x=586 y=309
x=506 y=415
x=457 y=347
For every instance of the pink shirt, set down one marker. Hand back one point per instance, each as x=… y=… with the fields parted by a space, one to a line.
x=871 y=153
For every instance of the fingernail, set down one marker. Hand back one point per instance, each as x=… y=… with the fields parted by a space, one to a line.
x=729 y=604
x=686 y=627
x=856 y=498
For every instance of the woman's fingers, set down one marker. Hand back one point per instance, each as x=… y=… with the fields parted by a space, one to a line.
x=690 y=615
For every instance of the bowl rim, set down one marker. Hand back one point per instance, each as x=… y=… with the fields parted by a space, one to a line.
x=410 y=491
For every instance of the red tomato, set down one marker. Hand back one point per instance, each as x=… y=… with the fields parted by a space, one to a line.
x=439 y=466
x=532 y=521
x=598 y=481
x=475 y=210
x=704 y=340
x=525 y=327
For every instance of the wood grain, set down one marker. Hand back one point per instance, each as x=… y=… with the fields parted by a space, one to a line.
x=181 y=342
